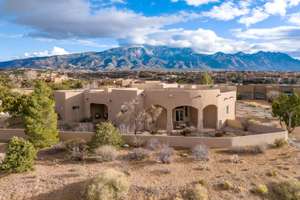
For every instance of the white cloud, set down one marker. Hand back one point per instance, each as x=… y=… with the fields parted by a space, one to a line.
x=276 y=7
x=256 y=15
x=228 y=11
x=295 y=18
x=118 y=1
x=201 y=40
x=53 y=52
x=269 y=8
x=197 y=2
x=282 y=38
x=75 y=19
x=275 y=33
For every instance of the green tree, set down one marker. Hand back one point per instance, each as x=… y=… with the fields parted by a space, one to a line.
x=106 y=134
x=40 y=118
x=287 y=110
x=19 y=157
x=206 y=79
x=12 y=102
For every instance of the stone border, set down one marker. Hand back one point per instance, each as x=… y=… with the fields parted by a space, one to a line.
x=175 y=141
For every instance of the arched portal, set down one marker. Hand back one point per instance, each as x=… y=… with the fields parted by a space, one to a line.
x=185 y=116
x=210 y=117
x=99 y=112
x=158 y=115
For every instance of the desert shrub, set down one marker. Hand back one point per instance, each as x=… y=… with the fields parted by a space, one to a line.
x=165 y=154
x=106 y=153
x=261 y=189
x=153 y=144
x=226 y=185
x=19 y=157
x=235 y=158
x=257 y=149
x=106 y=134
x=108 y=185
x=200 y=152
x=198 y=192
x=280 y=143
x=139 y=154
x=137 y=142
x=286 y=190
x=271 y=173
x=77 y=149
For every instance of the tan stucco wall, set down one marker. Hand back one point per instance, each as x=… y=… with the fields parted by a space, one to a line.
x=175 y=141
x=254 y=91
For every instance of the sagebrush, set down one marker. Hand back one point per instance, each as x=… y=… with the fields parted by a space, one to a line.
x=286 y=190
x=108 y=185
x=165 y=154
x=200 y=152
x=139 y=154
x=106 y=153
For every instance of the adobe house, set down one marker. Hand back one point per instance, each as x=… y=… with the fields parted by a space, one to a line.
x=198 y=106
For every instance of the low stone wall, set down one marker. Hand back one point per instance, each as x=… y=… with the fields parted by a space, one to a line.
x=175 y=141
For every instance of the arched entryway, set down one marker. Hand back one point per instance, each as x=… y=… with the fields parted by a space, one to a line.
x=158 y=115
x=210 y=117
x=99 y=112
x=184 y=116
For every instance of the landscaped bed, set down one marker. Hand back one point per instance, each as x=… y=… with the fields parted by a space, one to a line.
x=58 y=177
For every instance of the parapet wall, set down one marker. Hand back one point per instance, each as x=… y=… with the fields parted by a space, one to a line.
x=175 y=141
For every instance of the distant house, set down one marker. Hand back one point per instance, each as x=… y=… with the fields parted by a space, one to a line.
x=198 y=106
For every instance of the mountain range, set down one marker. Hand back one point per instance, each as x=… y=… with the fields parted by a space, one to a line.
x=161 y=58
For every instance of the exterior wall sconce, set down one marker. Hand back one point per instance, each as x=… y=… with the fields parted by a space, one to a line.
x=110 y=101
x=75 y=107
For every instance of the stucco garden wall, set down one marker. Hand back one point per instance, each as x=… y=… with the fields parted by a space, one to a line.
x=175 y=141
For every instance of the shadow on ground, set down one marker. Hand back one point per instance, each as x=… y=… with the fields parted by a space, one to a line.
x=72 y=191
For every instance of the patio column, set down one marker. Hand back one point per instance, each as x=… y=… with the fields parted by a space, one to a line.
x=169 y=120
x=200 y=120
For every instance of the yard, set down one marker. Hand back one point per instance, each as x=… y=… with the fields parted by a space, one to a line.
x=57 y=177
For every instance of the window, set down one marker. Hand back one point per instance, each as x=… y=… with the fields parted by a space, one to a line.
x=179 y=115
x=227 y=109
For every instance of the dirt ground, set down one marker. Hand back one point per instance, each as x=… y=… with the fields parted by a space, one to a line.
x=56 y=178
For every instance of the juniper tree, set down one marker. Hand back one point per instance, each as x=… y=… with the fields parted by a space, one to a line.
x=287 y=110
x=40 y=118
x=206 y=79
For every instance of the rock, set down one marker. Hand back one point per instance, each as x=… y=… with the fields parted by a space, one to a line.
x=184 y=155
x=126 y=145
x=2 y=156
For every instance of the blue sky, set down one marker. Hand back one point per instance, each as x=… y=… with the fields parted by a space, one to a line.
x=54 y=27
